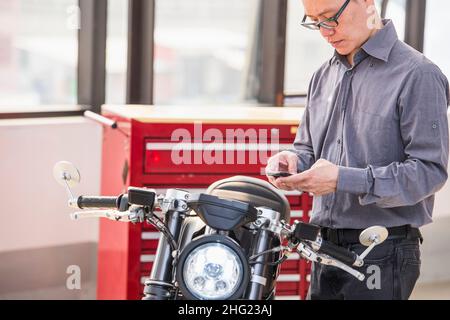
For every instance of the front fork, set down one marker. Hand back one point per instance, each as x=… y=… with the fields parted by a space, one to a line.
x=261 y=279
x=160 y=285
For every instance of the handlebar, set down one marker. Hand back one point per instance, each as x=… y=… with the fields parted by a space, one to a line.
x=84 y=202
x=340 y=253
x=311 y=233
x=305 y=237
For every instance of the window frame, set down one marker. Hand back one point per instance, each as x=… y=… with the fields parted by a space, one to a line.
x=415 y=23
x=141 y=31
x=91 y=89
x=271 y=53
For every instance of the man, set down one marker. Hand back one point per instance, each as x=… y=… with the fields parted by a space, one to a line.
x=372 y=148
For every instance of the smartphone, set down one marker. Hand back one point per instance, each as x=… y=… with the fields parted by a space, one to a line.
x=279 y=174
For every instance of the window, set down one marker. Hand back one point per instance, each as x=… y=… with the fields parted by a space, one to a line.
x=306 y=51
x=202 y=50
x=116 y=52
x=38 y=53
x=396 y=10
x=436 y=45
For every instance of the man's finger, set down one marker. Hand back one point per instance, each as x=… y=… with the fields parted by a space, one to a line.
x=271 y=180
x=274 y=166
x=292 y=165
x=283 y=186
x=295 y=178
x=288 y=188
x=278 y=184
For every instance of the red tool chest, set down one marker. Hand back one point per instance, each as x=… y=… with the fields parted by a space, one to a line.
x=190 y=148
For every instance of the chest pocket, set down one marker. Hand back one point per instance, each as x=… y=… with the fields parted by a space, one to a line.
x=369 y=138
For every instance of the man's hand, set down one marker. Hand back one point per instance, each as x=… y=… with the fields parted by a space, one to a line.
x=284 y=161
x=320 y=180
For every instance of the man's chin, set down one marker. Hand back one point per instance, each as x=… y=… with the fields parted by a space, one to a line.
x=343 y=51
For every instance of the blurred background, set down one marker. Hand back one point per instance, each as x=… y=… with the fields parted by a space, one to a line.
x=61 y=57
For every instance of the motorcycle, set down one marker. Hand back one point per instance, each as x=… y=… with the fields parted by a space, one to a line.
x=225 y=244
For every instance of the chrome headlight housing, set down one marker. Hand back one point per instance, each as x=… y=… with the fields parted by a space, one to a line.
x=213 y=267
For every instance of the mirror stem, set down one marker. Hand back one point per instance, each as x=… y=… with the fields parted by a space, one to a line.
x=375 y=242
x=72 y=200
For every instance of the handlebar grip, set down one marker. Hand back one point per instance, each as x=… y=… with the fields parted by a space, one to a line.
x=344 y=255
x=97 y=202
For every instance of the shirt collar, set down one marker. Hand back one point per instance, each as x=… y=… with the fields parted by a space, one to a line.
x=379 y=45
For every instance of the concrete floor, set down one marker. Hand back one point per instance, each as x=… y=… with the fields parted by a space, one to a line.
x=432 y=291
x=435 y=291
x=87 y=292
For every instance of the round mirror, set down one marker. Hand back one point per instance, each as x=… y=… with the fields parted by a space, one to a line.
x=66 y=172
x=368 y=236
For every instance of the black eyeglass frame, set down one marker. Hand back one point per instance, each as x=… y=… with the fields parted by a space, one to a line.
x=323 y=24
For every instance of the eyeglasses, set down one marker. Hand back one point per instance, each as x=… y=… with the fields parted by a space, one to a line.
x=329 y=23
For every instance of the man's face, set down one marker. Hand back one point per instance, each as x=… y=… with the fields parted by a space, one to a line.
x=353 y=29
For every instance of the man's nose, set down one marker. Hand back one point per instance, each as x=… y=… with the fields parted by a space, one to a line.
x=326 y=32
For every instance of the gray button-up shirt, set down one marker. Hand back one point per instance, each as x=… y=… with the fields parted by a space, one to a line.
x=384 y=123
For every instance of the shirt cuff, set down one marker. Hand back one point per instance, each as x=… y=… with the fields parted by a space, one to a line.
x=353 y=180
x=301 y=166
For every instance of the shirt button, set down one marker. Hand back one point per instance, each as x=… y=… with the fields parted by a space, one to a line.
x=327 y=207
x=434 y=126
x=339 y=141
x=349 y=73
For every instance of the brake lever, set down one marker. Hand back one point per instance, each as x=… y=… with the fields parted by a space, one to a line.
x=108 y=214
x=309 y=254
x=134 y=215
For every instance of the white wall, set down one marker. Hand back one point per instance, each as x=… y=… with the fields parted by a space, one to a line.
x=442 y=203
x=33 y=209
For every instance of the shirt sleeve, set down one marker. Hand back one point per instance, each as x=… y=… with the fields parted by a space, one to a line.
x=422 y=107
x=303 y=146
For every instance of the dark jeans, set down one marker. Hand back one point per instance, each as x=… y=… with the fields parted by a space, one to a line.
x=391 y=269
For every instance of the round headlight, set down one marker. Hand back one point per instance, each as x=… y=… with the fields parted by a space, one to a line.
x=212 y=268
